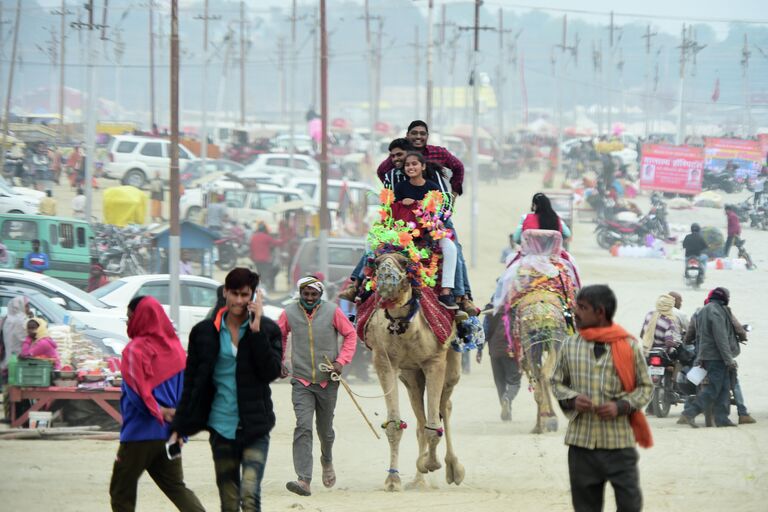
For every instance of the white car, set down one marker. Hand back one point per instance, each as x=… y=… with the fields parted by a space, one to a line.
x=359 y=193
x=22 y=191
x=280 y=163
x=80 y=305
x=198 y=296
x=13 y=202
x=134 y=160
x=265 y=203
x=301 y=143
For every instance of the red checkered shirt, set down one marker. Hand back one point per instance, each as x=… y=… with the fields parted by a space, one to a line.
x=437 y=155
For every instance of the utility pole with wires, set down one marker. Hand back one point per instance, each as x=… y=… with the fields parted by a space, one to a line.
x=324 y=214
x=90 y=125
x=561 y=63
x=745 y=55
x=174 y=239
x=475 y=83
x=3 y=22
x=441 y=59
x=51 y=50
x=292 y=62
x=500 y=82
x=205 y=17
x=372 y=83
x=430 y=43
x=416 y=71
x=281 y=75
x=9 y=92
x=242 y=63
x=62 y=13
x=689 y=48
x=597 y=74
x=647 y=75
x=152 y=119
x=612 y=29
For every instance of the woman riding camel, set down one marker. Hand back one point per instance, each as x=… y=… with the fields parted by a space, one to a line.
x=407 y=193
x=542 y=216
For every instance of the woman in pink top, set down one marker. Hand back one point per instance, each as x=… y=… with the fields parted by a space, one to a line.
x=38 y=344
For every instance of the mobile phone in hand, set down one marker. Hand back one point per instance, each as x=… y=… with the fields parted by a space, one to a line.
x=253 y=299
x=173 y=450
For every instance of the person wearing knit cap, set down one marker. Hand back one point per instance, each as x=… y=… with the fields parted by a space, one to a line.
x=601 y=383
x=718 y=347
x=315 y=326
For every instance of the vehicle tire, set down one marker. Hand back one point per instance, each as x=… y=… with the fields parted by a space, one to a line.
x=605 y=240
x=194 y=214
x=227 y=257
x=134 y=178
x=16 y=211
x=659 y=403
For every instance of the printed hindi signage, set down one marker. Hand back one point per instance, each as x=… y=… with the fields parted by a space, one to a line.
x=744 y=154
x=667 y=168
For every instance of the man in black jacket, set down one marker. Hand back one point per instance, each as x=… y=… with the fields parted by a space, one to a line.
x=231 y=361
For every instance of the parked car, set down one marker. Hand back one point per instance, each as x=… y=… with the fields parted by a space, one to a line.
x=134 y=160
x=109 y=342
x=264 y=203
x=22 y=191
x=13 y=202
x=303 y=165
x=359 y=193
x=66 y=241
x=195 y=169
x=81 y=305
x=343 y=256
x=198 y=296
x=301 y=143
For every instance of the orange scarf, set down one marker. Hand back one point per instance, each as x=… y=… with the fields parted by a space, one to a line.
x=624 y=362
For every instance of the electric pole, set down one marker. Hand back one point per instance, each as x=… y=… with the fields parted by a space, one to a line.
x=293 y=58
x=90 y=124
x=281 y=75
x=597 y=74
x=561 y=63
x=429 y=62
x=63 y=13
x=745 y=54
x=152 y=120
x=242 y=63
x=324 y=215
x=647 y=75
x=9 y=92
x=372 y=83
x=206 y=17
x=611 y=29
x=500 y=82
x=174 y=239
x=416 y=71
x=681 y=91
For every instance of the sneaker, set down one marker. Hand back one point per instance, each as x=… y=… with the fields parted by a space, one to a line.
x=746 y=419
x=447 y=301
x=685 y=420
x=350 y=292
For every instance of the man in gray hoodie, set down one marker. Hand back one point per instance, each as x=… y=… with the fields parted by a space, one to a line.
x=717 y=351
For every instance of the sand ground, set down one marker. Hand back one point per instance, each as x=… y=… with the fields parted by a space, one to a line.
x=506 y=467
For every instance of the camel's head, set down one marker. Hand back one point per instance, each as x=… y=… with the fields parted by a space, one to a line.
x=392 y=281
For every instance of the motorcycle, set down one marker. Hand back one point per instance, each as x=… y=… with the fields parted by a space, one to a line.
x=758 y=218
x=612 y=232
x=231 y=246
x=724 y=181
x=668 y=370
x=743 y=210
x=694 y=273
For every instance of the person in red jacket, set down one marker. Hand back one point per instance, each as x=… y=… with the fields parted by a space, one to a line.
x=262 y=244
x=734 y=229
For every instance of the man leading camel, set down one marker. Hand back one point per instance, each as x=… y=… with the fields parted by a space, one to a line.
x=315 y=325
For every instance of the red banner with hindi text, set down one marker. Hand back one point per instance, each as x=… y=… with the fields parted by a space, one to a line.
x=667 y=168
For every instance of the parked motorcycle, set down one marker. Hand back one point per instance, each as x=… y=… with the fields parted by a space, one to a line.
x=694 y=273
x=758 y=218
x=668 y=370
x=724 y=181
x=232 y=245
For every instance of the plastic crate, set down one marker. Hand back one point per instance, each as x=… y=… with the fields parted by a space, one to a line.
x=32 y=373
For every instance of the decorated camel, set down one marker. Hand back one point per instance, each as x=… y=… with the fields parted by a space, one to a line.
x=409 y=333
x=536 y=293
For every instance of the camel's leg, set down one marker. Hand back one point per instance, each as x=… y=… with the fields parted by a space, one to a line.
x=415 y=383
x=530 y=365
x=387 y=372
x=548 y=417
x=454 y=471
x=434 y=371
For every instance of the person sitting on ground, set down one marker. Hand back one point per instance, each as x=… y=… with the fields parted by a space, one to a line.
x=38 y=345
x=660 y=328
x=407 y=193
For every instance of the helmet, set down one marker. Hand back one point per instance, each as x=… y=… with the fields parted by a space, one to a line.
x=695 y=228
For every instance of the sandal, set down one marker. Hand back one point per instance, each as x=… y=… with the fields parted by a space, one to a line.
x=329 y=476
x=299 y=487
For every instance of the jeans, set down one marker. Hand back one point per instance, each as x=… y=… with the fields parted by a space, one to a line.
x=716 y=394
x=590 y=470
x=135 y=457
x=229 y=457
x=738 y=396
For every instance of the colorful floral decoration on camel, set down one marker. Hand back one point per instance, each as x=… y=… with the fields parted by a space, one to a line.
x=415 y=239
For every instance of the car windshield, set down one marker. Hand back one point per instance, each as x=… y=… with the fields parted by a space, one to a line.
x=54 y=313
x=77 y=293
x=107 y=288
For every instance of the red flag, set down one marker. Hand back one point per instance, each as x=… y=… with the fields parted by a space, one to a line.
x=716 y=92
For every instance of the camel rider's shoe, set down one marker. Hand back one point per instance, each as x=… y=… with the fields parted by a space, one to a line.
x=447 y=301
x=460 y=316
x=746 y=419
x=350 y=292
x=299 y=487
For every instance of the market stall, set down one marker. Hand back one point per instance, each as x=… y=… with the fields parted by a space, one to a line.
x=44 y=397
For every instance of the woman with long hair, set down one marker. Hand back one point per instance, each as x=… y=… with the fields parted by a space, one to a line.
x=542 y=216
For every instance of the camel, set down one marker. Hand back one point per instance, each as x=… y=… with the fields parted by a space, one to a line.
x=403 y=342
x=536 y=293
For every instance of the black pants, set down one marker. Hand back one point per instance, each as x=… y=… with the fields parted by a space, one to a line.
x=729 y=243
x=132 y=460
x=591 y=469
